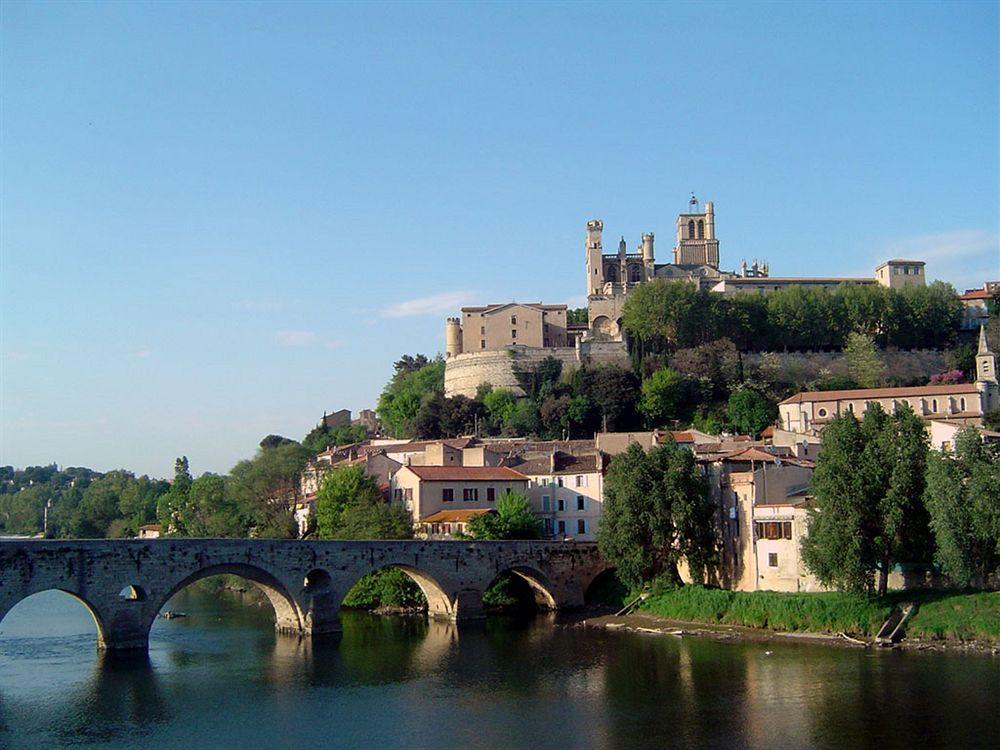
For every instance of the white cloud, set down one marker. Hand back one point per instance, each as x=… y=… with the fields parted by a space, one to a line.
x=18 y=356
x=304 y=338
x=142 y=354
x=950 y=246
x=433 y=305
x=963 y=257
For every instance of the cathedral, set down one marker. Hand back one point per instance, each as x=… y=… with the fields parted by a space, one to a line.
x=695 y=259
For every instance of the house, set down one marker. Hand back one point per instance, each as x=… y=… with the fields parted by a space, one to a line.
x=566 y=491
x=762 y=497
x=150 y=531
x=446 y=524
x=426 y=490
x=976 y=305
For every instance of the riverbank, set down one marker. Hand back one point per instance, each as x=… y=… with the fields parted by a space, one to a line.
x=968 y=622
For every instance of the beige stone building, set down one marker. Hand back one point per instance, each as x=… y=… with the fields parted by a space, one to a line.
x=427 y=490
x=513 y=324
x=566 y=492
x=762 y=498
x=963 y=403
x=899 y=273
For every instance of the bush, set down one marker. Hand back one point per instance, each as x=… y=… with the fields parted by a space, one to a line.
x=389 y=587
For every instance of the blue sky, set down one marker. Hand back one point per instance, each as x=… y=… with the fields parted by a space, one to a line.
x=219 y=220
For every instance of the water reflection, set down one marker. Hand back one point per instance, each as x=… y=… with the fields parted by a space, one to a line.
x=222 y=677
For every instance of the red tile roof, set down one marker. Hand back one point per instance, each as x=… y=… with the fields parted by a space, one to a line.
x=467 y=473
x=454 y=516
x=976 y=294
x=870 y=393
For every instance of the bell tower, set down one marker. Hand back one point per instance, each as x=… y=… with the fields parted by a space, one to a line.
x=595 y=259
x=696 y=242
x=986 y=374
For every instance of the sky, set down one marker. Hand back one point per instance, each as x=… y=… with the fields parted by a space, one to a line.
x=219 y=220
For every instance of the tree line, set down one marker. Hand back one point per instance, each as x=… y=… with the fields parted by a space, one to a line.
x=662 y=316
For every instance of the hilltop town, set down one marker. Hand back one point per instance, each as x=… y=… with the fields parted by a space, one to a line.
x=741 y=369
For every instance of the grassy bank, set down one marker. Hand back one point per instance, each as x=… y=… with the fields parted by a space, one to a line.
x=941 y=615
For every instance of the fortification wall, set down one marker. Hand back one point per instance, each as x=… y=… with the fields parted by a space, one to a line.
x=798 y=367
x=464 y=373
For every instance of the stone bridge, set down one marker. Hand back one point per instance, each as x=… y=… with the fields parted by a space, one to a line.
x=125 y=583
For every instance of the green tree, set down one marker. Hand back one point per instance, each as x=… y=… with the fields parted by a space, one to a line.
x=322 y=437
x=514 y=519
x=341 y=487
x=864 y=361
x=500 y=404
x=266 y=487
x=403 y=395
x=868 y=513
x=750 y=411
x=663 y=397
x=656 y=509
x=172 y=505
x=963 y=498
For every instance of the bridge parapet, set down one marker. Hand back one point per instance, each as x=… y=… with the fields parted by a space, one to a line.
x=305 y=581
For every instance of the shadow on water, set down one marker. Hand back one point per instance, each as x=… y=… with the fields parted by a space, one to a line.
x=221 y=677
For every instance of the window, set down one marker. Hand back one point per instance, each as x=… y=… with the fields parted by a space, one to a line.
x=546 y=502
x=581 y=526
x=772 y=559
x=562 y=527
x=822 y=412
x=581 y=502
x=561 y=504
x=560 y=481
x=961 y=404
x=701 y=229
x=774 y=529
x=513 y=334
x=482 y=330
x=470 y=494
x=482 y=344
x=581 y=481
x=513 y=320
x=491 y=494
x=934 y=406
x=547 y=526
x=691 y=229
x=447 y=495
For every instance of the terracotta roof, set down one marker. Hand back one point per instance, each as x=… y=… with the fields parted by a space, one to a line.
x=682 y=436
x=454 y=516
x=418 y=446
x=869 y=393
x=565 y=463
x=767 y=432
x=466 y=473
x=976 y=294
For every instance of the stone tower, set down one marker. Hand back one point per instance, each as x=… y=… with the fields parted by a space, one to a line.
x=595 y=261
x=647 y=255
x=986 y=374
x=696 y=242
x=452 y=337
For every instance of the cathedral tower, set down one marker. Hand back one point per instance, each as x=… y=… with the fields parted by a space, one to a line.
x=595 y=260
x=696 y=242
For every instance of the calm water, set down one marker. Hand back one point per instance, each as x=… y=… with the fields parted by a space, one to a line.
x=221 y=678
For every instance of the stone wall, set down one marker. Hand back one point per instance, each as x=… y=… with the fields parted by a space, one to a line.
x=801 y=367
x=464 y=373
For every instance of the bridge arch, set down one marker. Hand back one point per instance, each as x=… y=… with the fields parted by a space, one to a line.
x=439 y=603
x=95 y=613
x=287 y=613
x=542 y=589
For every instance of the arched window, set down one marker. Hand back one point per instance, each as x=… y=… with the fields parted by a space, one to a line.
x=635 y=274
x=961 y=404
x=934 y=406
x=611 y=274
x=701 y=229
x=691 y=229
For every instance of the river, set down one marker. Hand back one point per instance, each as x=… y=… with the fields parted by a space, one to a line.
x=221 y=678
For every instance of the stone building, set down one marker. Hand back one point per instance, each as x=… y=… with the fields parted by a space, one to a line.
x=493 y=327
x=964 y=403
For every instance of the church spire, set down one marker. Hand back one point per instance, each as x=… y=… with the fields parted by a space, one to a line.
x=984 y=347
